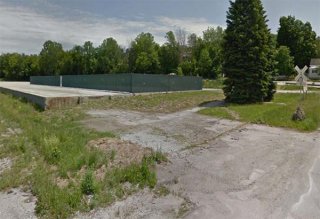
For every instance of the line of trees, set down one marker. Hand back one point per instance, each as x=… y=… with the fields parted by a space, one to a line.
x=183 y=54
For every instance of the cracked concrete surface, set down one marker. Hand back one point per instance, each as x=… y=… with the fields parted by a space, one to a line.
x=224 y=169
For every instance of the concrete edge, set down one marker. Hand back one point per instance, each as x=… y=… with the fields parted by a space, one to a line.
x=47 y=103
x=35 y=99
x=61 y=102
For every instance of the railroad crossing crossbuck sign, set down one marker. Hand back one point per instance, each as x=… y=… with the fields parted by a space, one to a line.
x=301 y=79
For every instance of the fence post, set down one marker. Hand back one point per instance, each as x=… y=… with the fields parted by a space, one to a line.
x=131 y=82
x=168 y=81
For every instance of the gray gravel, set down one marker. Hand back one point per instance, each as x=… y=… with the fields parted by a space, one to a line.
x=220 y=168
x=17 y=204
x=217 y=169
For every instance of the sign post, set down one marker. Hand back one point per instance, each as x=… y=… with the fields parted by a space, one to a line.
x=302 y=80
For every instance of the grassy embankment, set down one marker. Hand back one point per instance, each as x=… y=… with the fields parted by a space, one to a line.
x=162 y=103
x=51 y=158
x=276 y=113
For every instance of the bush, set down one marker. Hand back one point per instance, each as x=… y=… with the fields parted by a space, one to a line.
x=87 y=184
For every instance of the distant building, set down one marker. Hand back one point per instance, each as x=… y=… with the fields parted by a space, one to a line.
x=314 y=69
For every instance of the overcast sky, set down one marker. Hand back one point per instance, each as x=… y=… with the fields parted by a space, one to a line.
x=26 y=24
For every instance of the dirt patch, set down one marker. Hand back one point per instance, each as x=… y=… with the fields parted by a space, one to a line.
x=122 y=153
x=234 y=114
x=100 y=173
x=10 y=132
x=62 y=183
x=143 y=204
x=165 y=132
x=150 y=139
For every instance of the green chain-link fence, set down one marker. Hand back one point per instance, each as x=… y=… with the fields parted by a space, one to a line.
x=127 y=82
x=45 y=80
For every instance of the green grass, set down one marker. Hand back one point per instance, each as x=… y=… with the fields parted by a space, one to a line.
x=277 y=113
x=220 y=112
x=52 y=146
x=217 y=84
x=295 y=87
x=164 y=103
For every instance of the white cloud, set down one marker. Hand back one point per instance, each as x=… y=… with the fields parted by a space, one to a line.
x=24 y=30
x=191 y=25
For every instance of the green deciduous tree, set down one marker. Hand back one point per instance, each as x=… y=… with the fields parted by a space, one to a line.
x=30 y=66
x=11 y=65
x=77 y=60
x=73 y=61
x=204 y=64
x=195 y=46
x=213 y=39
x=248 y=54
x=299 y=37
x=212 y=43
x=317 y=48
x=111 y=58
x=284 y=61
x=143 y=55
x=14 y=66
x=169 y=54
x=89 y=58
x=188 y=67
x=51 y=58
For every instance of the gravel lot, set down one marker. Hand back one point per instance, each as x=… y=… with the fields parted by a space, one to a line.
x=218 y=168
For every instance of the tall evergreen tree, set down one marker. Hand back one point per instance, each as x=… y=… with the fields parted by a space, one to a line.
x=248 y=54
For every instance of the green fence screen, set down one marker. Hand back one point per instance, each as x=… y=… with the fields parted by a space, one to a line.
x=45 y=80
x=149 y=83
x=177 y=83
x=127 y=82
x=114 y=82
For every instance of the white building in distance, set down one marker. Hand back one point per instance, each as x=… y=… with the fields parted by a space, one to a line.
x=314 y=69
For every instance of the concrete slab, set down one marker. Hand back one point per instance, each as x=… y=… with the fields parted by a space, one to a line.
x=49 y=97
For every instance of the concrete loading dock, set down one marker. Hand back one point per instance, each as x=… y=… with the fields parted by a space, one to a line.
x=49 y=97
